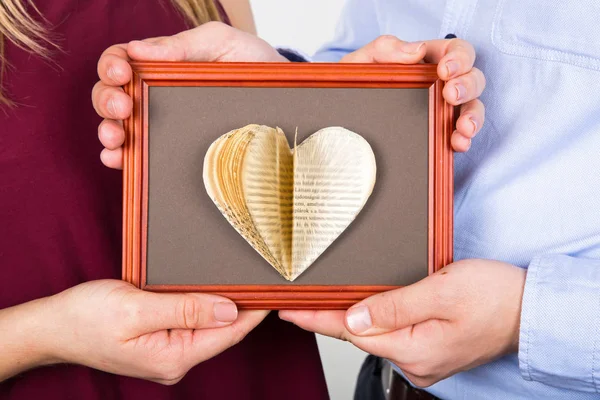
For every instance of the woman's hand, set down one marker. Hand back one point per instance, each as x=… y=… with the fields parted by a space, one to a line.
x=463 y=316
x=212 y=41
x=112 y=326
x=455 y=59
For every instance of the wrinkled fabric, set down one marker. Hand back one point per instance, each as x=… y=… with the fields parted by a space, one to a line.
x=528 y=190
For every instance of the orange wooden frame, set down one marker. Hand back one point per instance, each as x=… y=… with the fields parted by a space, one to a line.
x=321 y=75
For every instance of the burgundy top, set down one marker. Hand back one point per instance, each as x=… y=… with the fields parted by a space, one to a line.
x=60 y=213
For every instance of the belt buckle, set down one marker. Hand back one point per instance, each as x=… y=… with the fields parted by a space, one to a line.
x=393 y=386
x=387 y=376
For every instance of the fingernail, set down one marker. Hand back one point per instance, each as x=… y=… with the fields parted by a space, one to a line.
x=112 y=106
x=225 y=312
x=137 y=42
x=452 y=67
x=412 y=47
x=469 y=145
x=474 y=124
x=142 y=43
x=461 y=91
x=359 y=319
x=112 y=73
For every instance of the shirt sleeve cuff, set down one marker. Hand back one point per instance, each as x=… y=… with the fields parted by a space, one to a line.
x=293 y=55
x=559 y=343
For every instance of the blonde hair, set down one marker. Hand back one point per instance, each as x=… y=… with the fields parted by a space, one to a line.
x=24 y=31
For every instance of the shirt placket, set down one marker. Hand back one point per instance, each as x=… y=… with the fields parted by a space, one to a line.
x=457 y=17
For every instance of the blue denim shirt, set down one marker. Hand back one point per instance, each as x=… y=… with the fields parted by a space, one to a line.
x=528 y=191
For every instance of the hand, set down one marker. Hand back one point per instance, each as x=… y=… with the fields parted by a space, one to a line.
x=463 y=316
x=212 y=41
x=112 y=326
x=455 y=59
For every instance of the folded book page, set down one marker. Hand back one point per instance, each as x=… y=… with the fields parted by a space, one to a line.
x=290 y=205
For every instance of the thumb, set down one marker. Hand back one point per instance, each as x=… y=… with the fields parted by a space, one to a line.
x=207 y=42
x=151 y=312
x=393 y=310
x=388 y=49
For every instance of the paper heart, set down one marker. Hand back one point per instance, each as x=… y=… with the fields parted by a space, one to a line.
x=290 y=205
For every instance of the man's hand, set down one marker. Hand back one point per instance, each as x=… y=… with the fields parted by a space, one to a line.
x=465 y=315
x=112 y=326
x=455 y=59
x=212 y=41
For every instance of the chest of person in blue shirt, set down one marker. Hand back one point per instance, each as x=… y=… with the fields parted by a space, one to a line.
x=527 y=193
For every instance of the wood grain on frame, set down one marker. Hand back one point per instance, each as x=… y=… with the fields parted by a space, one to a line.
x=291 y=75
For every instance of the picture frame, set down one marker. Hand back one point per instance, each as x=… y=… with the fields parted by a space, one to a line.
x=177 y=87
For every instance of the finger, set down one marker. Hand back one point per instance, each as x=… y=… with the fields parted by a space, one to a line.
x=396 y=309
x=111 y=102
x=471 y=119
x=460 y=143
x=150 y=312
x=208 y=343
x=207 y=42
x=158 y=49
x=328 y=323
x=331 y=323
x=454 y=57
x=111 y=134
x=388 y=49
x=113 y=66
x=464 y=88
x=112 y=158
